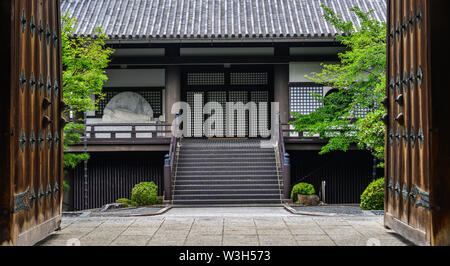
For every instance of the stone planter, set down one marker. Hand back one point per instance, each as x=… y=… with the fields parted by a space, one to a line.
x=308 y=200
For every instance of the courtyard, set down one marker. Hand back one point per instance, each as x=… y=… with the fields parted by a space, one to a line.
x=233 y=226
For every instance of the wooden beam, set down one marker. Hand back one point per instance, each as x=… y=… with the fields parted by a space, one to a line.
x=120 y=148
x=195 y=60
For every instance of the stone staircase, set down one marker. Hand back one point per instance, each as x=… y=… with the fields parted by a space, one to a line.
x=225 y=172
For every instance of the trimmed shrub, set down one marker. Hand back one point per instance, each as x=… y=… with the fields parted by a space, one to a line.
x=373 y=197
x=126 y=203
x=145 y=193
x=302 y=189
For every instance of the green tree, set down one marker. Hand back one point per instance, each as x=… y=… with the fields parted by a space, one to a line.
x=359 y=84
x=84 y=60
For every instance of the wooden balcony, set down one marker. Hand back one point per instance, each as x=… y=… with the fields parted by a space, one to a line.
x=129 y=134
x=104 y=137
x=157 y=136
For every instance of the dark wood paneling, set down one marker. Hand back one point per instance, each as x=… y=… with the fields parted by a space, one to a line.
x=5 y=126
x=113 y=175
x=417 y=162
x=219 y=60
x=33 y=53
x=346 y=174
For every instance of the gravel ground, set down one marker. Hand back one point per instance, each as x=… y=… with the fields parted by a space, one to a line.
x=346 y=210
x=128 y=212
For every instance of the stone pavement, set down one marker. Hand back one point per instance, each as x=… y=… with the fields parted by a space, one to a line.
x=238 y=226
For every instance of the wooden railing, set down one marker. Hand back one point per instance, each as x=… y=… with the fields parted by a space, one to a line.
x=121 y=133
x=284 y=161
x=291 y=135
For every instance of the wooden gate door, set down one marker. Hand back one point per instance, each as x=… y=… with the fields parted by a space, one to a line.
x=414 y=201
x=31 y=173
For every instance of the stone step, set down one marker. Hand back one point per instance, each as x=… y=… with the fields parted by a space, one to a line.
x=220 y=151
x=227 y=168
x=227 y=160
x=228 y=187
x=225 y=173
x=230 y=178
x=226 y=202
x=225 y=156
x=226 y=196
x=215 y=191
x=211 y=182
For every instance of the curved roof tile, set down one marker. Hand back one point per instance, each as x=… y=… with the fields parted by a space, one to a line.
x=213 y=19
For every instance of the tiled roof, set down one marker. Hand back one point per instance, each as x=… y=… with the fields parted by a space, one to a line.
x=213 y=19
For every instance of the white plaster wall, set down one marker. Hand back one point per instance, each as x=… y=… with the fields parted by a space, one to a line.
x=298 y=70
x=135 y=78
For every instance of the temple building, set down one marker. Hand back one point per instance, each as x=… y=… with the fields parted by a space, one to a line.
x=214 y=51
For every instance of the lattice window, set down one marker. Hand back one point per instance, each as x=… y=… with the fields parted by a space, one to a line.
x=154 y=98
x=219 y=97
x=239 y=97
x=303 y=100
x=196 y=125
x=261 y=97
x=361 y=112
x=203 y=79
x=253 y=78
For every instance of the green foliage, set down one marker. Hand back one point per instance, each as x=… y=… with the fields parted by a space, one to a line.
x=84 y=60
x=373 y=197
x=302 y=189
x=371 y=130
x=71 y=137
x=359 y=80
x=145 y=193
x=126 y=203
x=66 y=186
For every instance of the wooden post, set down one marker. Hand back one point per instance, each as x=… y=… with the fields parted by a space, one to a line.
x=167 y=179
x=173 y=90
x=281 y=90
x=287 y=177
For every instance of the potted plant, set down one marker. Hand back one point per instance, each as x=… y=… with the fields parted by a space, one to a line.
x=305 y=194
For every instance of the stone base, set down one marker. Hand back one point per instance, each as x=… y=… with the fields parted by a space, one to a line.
x=308 y=200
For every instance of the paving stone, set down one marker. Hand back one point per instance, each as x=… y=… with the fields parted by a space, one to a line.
x=217 y=231
x=239 y=231
x=100 y=236
x=64 y=237
x=166 y=242
x=276 y=232
x=271 y=240
x=326 y=243
x=311 y=230
x=53 y=243
x=77 y=230
x=240 y=240
x=204 y=240
x=349 y=240
x=230 y=227
x=340 y=230
x=95 y=243
x=331 y=222
x=130 y=241
x=312 y=237
x=140 y=231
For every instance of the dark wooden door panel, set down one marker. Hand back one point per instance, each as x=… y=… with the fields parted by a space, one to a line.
x=35 y=158
x=413 y=202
